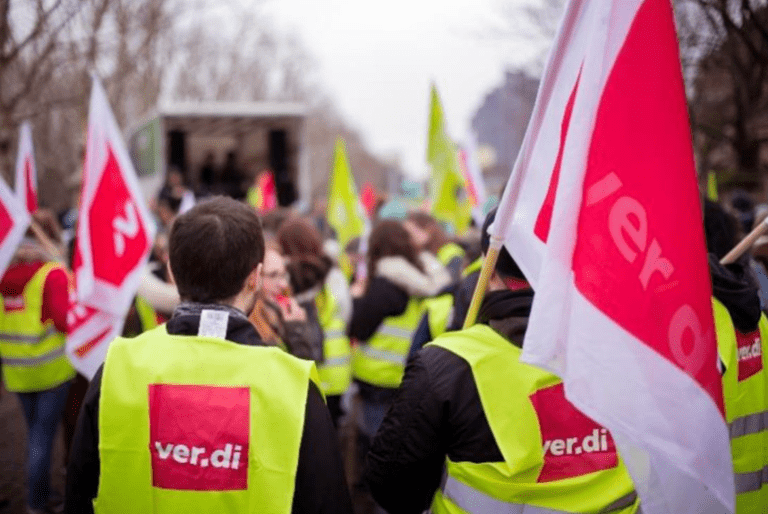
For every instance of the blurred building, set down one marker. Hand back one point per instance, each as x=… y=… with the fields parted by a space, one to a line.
x=500 y=125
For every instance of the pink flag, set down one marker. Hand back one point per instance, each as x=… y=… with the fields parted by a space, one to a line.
x=602 y=214
x=14 y=220
x=26 y=172
x=114 y=232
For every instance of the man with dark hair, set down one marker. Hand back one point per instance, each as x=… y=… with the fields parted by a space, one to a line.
x=474 y=430
x=199 y=415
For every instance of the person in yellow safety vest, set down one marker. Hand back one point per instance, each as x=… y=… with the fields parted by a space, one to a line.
x=141 y=317
x=446 y=311
x=430 y=236
x=385 y=312
x=198 y=414
x=474 y=430
x=385 y=315
x=741 y=330
x=740 y=326
x=33 y=324
x=335 y=370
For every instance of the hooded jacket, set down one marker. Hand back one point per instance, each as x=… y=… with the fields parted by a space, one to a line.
x=437 y=412
x=734 y=287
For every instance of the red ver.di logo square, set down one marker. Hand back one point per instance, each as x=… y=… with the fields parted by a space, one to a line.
x=573 y=444
x=199 y=437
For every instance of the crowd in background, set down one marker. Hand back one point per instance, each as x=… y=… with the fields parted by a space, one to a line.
x=359 y=312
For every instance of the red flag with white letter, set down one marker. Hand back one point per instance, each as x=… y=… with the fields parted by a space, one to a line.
x=114 y=238
x=14 y=220
x=115 y=232
x=89 y=332
x=602 y=213
x=26 y=172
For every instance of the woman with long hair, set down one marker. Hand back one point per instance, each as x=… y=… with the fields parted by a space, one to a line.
x=385 y=316
x=277 y=316
x=321 y=290
x=437 y=242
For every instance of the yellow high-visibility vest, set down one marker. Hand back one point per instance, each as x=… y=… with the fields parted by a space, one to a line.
x=448 y=252
x=381 y=360
x=335 y=371
x=439 y=312
x=32 y=352
x=199 y=424
x=745 y=393
x=541 y=472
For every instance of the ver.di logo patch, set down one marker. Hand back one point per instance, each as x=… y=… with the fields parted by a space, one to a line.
x=199 y=437
x=572 y=444
x=750 y=354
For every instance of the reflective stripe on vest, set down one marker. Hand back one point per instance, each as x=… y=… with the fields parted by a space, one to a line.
x=23 y=339
x=34 y=361
x=750 y=424
x=381 y=360
x=333 y=334
x=335 y=371
x=237 y=449
x=32 y=352
x=748 y=482
x=382 y=354
x=525 y=407
x=388 y=330
x=477 y=502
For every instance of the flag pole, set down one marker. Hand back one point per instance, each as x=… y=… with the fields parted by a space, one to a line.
x=746 y=243
x=489 y=264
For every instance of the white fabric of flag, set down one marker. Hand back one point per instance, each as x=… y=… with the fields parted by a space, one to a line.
x=602 y=214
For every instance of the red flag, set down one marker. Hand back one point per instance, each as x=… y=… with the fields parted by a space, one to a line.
x=26 y=172
x=368 y=198
x=268 y=191
x=14 y=220
x=114 y=232
x=602 y=214
x=89 y=332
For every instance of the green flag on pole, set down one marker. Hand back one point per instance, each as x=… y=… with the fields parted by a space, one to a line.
x=344 y=211
x=450 y=203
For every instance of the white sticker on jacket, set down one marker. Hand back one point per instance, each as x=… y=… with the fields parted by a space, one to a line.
x=213 y=324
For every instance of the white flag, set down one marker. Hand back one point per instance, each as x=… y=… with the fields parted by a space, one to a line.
x=602 y=214
x=26 y=172
x=14 y=220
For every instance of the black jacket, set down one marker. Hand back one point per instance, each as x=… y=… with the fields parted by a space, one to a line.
x=320 y=482
x=734 y=287
x=437 y=413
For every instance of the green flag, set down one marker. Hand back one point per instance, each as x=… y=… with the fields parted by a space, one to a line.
x=450 y=203
x=344 y=211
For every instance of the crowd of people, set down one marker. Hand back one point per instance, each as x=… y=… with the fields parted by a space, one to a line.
x=264 y=368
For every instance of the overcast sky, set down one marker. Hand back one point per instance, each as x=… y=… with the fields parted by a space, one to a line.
x=378 y=59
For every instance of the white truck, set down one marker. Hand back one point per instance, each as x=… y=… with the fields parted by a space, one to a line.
x=192 y=136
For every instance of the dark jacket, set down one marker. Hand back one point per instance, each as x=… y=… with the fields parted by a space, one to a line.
x=462 y=292
x=437 y=413
x=396 y=281
x=320 y=482
x=734 y=287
